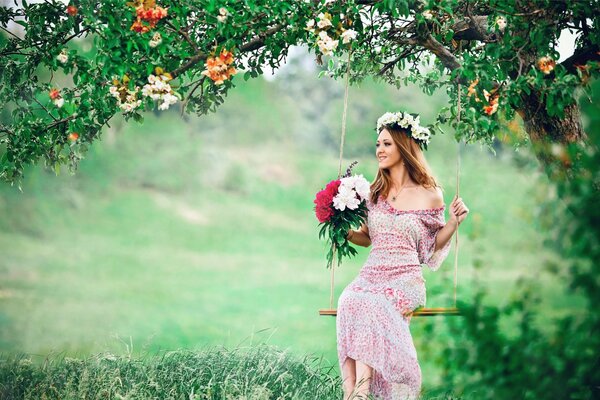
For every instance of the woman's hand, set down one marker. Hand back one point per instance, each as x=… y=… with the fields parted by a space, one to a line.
x=458 y=211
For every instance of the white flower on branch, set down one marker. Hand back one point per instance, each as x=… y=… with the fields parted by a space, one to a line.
x=326 y=44
x=324 y=21
x=156 y=40
x=501 y=23
x=348 y=35
x=63 y=57
x=223 y=13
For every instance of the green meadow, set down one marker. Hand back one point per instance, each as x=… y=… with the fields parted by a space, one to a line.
x=188 y=232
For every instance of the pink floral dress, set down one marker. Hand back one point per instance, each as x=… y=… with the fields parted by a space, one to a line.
x=371 y=325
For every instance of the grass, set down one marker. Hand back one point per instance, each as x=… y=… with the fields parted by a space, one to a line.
x=254 y=373
x=259 y=372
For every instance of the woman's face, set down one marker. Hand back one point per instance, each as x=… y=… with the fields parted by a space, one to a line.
x=386 y=151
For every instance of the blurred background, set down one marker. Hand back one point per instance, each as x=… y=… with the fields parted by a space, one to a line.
x=188 y=232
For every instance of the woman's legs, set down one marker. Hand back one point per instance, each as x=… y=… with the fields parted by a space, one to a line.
x=349 y=377
x=363 y=380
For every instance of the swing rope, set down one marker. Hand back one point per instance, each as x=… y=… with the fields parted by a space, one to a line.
x=458 y=148
x=344 y=116
x=428 y=311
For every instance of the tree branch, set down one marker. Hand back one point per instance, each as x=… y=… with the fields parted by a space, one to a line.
x=443 y=54
x=184 y=34
x=253 y=44
x=60 y=121
x=581 y=57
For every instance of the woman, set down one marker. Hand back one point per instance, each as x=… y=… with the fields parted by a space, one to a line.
x=407 y=228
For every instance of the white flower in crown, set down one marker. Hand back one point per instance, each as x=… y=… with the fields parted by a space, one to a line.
x=386 y=119
x=406 y=121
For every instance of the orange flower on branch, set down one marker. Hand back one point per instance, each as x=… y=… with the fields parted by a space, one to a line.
x=219 y=68
x=54 y=94
x=56 y=97
x=73 y=136
x=546 y=64
x=72 y=11
x=492 y=99
x=148 y=14
x=471 y=90
x=138 y=27
x=584 y=73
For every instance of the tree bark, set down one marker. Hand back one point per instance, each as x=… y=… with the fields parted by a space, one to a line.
x=549 y=134
x=542 y=127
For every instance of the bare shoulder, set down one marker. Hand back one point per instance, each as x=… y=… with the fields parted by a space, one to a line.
x=434 y=196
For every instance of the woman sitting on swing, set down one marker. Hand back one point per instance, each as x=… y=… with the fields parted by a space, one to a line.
x=407 y=228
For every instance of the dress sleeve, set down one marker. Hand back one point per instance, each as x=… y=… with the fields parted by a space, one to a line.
x=431 y=223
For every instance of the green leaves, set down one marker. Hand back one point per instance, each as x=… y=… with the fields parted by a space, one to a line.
x=394 y=43
x=335 y=230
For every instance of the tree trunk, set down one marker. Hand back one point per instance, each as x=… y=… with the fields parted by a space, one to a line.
x=549 y=134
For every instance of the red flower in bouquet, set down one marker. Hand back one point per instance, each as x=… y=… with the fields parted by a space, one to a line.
x=341 y=206
x=324 y=201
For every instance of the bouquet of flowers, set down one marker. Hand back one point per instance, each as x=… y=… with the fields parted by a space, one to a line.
x=340 y=207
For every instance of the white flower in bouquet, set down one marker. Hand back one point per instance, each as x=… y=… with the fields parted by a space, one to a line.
x=310 y=25
x=346 y=198
x=362 y=187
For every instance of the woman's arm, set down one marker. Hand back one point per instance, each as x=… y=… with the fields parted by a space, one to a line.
x=445 y=234
x=458 y=212
x=359 y=237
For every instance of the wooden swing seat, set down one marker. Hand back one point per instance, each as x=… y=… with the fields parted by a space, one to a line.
x=420 y=312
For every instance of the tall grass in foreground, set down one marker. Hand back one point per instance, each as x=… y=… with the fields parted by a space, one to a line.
x=255 y=373
x=261 y=372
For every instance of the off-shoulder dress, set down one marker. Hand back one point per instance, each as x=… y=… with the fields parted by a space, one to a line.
x=372 y=325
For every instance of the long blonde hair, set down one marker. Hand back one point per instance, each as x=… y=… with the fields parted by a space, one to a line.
x=414 y=161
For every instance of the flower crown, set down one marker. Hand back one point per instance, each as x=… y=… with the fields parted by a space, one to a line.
x=408 y=122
